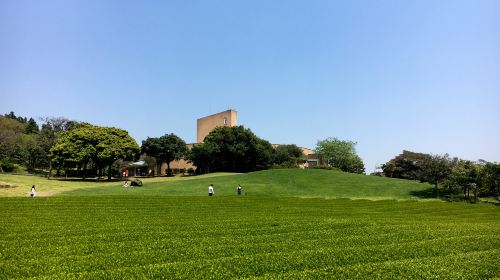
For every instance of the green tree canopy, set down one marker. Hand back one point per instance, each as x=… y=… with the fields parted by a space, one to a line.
x=11 y=134
x=287 y=155
x=172 y=147
x=407 y=165
x=31 y=127
x=151 y=147
x=166 y=148
x=340 y=154
x=103 y=145
x=232 y=149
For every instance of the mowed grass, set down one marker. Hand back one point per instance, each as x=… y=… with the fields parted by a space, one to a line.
x=20 y=185
x=279 y=183
x=254 y=237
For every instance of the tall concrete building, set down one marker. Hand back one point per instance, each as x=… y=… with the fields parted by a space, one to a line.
x=206 y=124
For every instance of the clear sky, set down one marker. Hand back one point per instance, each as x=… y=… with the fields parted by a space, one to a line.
x=420 y=75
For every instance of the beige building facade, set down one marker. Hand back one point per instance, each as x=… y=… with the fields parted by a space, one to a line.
x=206 y=124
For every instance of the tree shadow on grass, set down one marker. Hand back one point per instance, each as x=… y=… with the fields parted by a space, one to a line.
x=445 y=195
x=104 y=180
x=431 y=193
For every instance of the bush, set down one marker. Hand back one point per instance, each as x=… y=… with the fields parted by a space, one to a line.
x=8 y=166
x=190 y=171
x=325 y=167
x=284 y=166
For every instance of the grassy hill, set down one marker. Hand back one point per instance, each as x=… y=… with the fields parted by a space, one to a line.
x=278 y=183
x=12 y=185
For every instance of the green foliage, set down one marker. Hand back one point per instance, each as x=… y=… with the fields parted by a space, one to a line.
x=172 y=147
x=324 y=167
x=406 y=165
x=435 y=169
x=151 y=162
x=151 y=147
x=490 y=179
x=463 y=177
x=203 y=156
x=287 y=155
x=102 y=145
x=456 y=175
x=13 y=116
x=166 y=148
x=242 y=237
x=33 y=153
x=7 y=165
x=232 y=149
x=340 y=154
x=31 y=127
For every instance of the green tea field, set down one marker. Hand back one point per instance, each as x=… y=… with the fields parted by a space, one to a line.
x=288 y=224
x=139 y=237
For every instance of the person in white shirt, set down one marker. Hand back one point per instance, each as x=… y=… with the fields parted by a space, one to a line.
x=238 y=189
x=211 y=190
x=33 y=191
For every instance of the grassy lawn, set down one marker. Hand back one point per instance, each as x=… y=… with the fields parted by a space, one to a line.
x=118 y=237
x=22 y=184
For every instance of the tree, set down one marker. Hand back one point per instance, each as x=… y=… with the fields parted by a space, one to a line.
x=464 y=176
x=151 y=147
x=151 y=162
x=203 y=156
x=115 y=144
x=11 y=134
x=490 y=175
x=13 y=116
x=31 y=127
x=435 y=169
x=406 y=165
x=52 y=127
x=340 y=154
x=172 y=147
x=232 y=149
x=102 y=145
x=287 y=155
x=32 y=152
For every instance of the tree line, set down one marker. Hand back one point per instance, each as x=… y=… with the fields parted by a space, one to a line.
x=452 y=175
x=75 y=148
x=62 y=146
x=228 y=149
x=23 y=143
x=72 y=148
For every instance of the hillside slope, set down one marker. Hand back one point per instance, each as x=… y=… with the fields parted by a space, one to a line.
x=280 y=183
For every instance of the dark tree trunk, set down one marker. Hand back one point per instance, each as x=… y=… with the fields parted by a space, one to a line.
x=109 y=171
x=50 y=170
x=58 y=172
x=158 y=168
x=84 y=170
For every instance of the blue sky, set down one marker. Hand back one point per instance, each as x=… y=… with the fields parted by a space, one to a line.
x=420 y=75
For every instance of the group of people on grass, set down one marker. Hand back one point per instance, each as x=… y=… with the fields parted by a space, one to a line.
x=211 y=191
x=127 y=184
